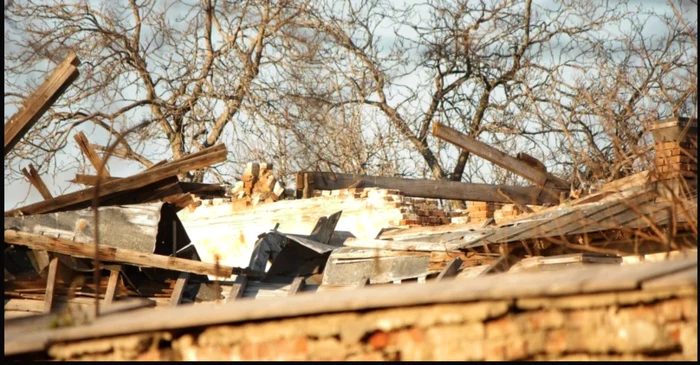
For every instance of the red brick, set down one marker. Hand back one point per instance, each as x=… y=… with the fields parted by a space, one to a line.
x=378 y=340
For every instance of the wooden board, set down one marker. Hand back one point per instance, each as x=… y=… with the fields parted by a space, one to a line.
x=238 y=288
x=195 y=161
x=41 y=100
x=51 y=285
x=112 y=254
x=435 y=189
x=112 y=286
x=520 y=167
x=179 y=290
x=33 y=176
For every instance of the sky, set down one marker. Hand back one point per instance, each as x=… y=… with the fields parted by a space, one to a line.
x=21 y=193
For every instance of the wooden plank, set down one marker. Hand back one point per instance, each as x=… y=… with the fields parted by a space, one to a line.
x=112 y=254
x=297 y=285
x=436 y=189
x=33 y=176
x=91 y=179
x=40 y=101
x=179 y=289
x=51 y=285
x=112 y=286
x=323 y=231
x=238 y=288
x=493 y=155
x=402 y=245
x=89 y=152
x=213 y=155
x=451 y=269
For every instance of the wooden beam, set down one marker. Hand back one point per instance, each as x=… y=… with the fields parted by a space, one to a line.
x=179 y=289
x=203 y=158
x=51 y=285
x=435 y=189
x=451 y=269
x=40 y=101
x=237 y=289
x=120 y=255
x=112 y=286
x=91 y=179
x=522 y=168
x=33 y=176
x=89 y=152
x=297 y=285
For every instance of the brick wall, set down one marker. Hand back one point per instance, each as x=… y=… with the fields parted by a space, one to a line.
x=638 y=325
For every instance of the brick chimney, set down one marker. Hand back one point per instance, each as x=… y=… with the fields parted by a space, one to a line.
x=676 y=153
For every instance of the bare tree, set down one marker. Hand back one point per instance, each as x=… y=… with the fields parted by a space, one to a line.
x=357 y=84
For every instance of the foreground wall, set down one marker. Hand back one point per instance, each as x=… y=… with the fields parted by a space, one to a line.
x=636 y=325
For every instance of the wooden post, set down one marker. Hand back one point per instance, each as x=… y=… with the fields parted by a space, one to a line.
x=297 y=285
x=50 y=293
x=451 y=269
x=238 y=288
x=179 y=289
x=112 y=286
x=40 y=101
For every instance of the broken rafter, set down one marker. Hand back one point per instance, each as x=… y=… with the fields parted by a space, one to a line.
x=195 y=161
x=527 y=167
x=126 y=154
x=40 y=101
x=33 y=176
x=120 y=255
x=90 y=154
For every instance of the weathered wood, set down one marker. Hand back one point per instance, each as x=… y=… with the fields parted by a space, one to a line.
x=238 y=288
x=323 y=231
x=90 y=154
x=120 y=255
x=51 y=285
x=213 y=155
x=40 y=101
x=402 y=245
x=451 y=269
x=520 y=167
x=435 y=189
x=33 y=176
x=179 y=289
x=112 y=286
x=91 y=179
x=297 y=285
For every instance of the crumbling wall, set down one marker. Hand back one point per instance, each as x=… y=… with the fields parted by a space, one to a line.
x=638 y=325
x=229 y=231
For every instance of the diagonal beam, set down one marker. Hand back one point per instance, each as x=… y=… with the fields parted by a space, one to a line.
x=89 y=152
x=33 y=176
x=525 y=167
x=40 y=101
